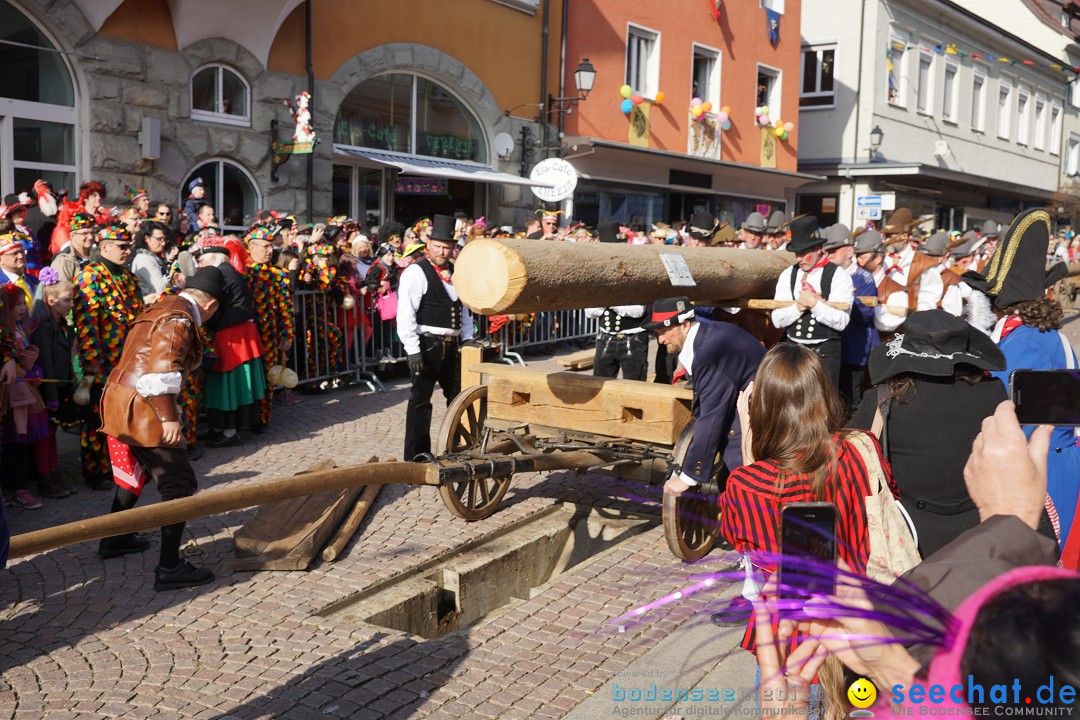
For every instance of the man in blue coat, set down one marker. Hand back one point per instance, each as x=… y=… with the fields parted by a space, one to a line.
x=1027 y=331
x=860 y=336
x=722 y=360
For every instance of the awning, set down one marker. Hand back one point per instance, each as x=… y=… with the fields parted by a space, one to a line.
x=436 y=167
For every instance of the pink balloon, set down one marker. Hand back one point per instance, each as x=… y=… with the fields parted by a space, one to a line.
x=696 y=102
x=637 y=99
x=722 y=117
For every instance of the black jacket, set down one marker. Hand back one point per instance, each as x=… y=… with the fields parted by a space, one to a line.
x=54 y=341
x=238 y=308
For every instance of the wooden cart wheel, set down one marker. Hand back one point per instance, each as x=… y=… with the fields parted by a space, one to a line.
x=462 y=429
x=691 y=522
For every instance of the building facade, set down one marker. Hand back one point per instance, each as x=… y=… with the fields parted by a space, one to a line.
x=932 y=106
x=660 y=161
x=408 y=101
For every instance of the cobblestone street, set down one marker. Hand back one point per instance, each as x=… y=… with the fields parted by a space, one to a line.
x=89 y=638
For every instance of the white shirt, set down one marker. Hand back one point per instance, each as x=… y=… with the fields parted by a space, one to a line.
x=902 y=261
x=884 y=320
x=633 y=311
x=686 y=359
x=841 y=291
x=166 y=383
x=411 y=288
x=930 y=291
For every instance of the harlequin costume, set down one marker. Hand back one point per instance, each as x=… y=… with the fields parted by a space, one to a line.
x=324 y=340
x=106 y=300
x=63 y=218
x=271 y=299
x=1015 y=274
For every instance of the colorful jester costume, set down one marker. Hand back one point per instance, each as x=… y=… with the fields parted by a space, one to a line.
x=325 y=343
x=106 y=300
x=271 y=298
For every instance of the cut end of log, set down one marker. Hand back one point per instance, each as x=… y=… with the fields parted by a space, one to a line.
x=486 y=269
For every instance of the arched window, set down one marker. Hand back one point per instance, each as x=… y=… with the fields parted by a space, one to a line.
x=230 y=190
x=411 y=114
x=37 y=117
x=219 y=94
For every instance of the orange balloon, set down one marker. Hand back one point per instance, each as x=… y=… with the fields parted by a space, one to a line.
x=660 y=98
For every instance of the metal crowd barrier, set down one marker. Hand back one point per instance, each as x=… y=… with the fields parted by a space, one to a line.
x=332 y=343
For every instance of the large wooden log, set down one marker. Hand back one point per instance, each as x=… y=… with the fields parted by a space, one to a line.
x=510 y=276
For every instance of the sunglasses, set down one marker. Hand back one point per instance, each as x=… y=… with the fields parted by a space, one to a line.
x=164 y=212
x=121 y=246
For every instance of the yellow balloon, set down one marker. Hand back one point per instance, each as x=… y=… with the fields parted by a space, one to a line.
x=764 y=109
x=626 y=91
x=779 y=132
x=696 y=111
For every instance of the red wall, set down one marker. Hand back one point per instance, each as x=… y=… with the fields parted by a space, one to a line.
x=597 y=30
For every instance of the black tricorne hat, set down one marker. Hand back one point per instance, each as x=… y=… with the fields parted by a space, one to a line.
x=670 y=311
x=1017 y=270
x=934 y=343
x=442 y=229
x=805 y=234
x=608 y=232
x=210 y=280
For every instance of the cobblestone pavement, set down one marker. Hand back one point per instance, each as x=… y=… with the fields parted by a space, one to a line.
x=86 y=638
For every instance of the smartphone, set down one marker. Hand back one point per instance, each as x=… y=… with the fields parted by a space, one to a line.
x=807 y=530
x=1046 y=397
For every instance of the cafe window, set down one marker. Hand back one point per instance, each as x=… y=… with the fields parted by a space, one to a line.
x=406 y=113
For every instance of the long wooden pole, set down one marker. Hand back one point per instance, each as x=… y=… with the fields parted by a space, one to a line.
x=344 y=534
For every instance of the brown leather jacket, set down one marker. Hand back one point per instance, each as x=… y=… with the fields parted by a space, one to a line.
x=163 y=338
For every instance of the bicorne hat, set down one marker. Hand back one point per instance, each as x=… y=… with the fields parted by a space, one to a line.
x=1017 y=269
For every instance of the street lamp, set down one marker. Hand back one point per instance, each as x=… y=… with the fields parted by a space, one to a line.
x=584 y=78
x=876 y=136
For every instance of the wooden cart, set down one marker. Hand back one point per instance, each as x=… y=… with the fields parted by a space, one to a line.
x=633 y=430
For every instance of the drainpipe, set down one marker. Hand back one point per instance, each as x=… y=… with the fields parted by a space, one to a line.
x=311 y=92
x=562 y=66
x=858 y=111
x=543 y=76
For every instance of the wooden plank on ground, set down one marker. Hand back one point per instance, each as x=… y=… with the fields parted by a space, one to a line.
x=582 y=360
x=289 y=534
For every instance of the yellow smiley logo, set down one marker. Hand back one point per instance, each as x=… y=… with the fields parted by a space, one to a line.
x=862 y=693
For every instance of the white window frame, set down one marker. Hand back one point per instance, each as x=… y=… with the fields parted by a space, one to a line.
x=1055 y=126
x=777 y=93
x=818 y=49
x=1004 y=115
x=712 y=89
x=12 y=110
x=926 y=55
x=1072 y=155
x=950 y=107
x=1023 y=115
x=775 y=5
x=652 y=63
x=1041 y=103
x=219 y=185
x=1074 y=93
x=979 y=84
x=217 y=117
x=899 y=36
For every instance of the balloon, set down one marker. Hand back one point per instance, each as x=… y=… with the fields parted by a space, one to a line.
x=696 y=111
x=764 y=109
x=726 y=125
x=784 y=136
x=789 y=126
x=726 y=110
x=626 y=91
x=637 y=99
x=779 y=132
x=627 y=105
x=659 y=98
x=696 y=102
x=722 y=117
x=706 y=106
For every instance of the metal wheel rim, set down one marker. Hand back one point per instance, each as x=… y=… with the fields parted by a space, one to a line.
x=692 y=521
x=462 y=430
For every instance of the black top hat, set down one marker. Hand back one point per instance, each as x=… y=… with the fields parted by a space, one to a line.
x=804 y=234
x=210 y=280
x=608 y=232
x=442 y=229
x=702 y=225
x=934 y=343
x=670 y=311
x=1017 y=269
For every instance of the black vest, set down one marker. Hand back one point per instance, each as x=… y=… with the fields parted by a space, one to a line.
x=613 y=322
x=807 y=327
x=436 y=308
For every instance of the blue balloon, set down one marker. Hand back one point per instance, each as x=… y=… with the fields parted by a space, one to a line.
x=627 y=105
x=726 y=125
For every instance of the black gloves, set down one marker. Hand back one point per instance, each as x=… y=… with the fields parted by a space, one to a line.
x=416 y=364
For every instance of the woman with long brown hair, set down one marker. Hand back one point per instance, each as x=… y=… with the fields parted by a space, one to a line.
x=795 y=451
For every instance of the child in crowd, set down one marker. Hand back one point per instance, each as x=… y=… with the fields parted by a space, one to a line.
x=54 y=339
x=25 y=430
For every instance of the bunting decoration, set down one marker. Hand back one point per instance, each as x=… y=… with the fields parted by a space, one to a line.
x=715 y=8
x=952 y=49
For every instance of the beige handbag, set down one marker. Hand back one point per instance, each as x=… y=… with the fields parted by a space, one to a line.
x=894 y=548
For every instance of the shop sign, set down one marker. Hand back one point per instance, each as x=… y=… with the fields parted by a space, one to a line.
x=409 y=185
x=558 y=173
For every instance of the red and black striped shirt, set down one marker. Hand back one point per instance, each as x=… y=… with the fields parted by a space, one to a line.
x=750 y=508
